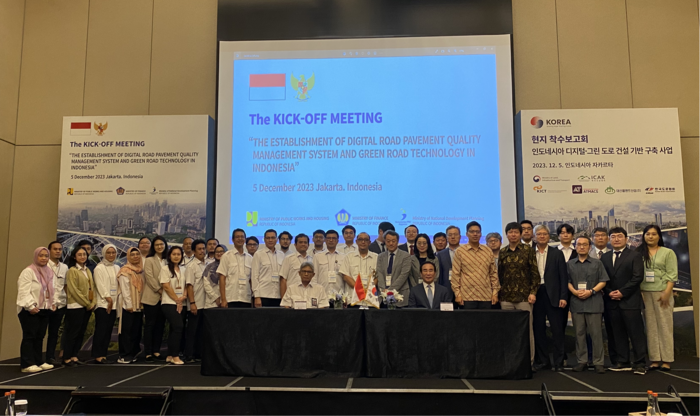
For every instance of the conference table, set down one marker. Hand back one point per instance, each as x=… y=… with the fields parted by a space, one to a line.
x=408 y=343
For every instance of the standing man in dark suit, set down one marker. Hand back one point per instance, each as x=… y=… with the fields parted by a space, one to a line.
x=394 y=268
x=552 y=296
x=411 y=233
x=625 y=267
x=378 y=245
x=428 y=294
x=454 y=236
x=527 y=236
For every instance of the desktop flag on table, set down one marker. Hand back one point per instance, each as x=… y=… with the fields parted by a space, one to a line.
x=267 y=87
x=364 y=297
x=360 y=289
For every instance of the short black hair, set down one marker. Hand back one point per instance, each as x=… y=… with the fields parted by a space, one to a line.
x=566 y=227
x=600 y=230
x=514 y=226
x=212 y=239
x=349 y=227
x=430 y=263
x=287 y=233
x=301 y=235
x=616 y=230
x=389 y=233
x=473 y=224
x=412 y=225
x=197 y=242
x=584 y=236
x=527 y=222
x=52 y=243
x=386 y=226
x=233 y=234
x=332 y=232
x=183 y=240
x=319 y=232
x=86 y=243
x=272 y=231
x=254 y=238
x=439 y=234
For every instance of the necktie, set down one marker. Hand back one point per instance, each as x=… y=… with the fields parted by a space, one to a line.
x=430 y=296
x=600 y=254
x=411 y=247
x=617 y=255
x=383 y=249
x=391 y=263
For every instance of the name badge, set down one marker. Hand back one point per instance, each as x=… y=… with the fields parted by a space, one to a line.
x=446 y=306
x=178 y=291
x=388 y=280
x=276 y=278
x=332 y=276
x=649 y=276
x=365 y=307
x=113 y=292
x=242 y=281
x=582 y=286
x=449 y=276
x=299 y=304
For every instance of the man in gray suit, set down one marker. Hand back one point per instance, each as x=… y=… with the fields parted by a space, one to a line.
x=394 y=268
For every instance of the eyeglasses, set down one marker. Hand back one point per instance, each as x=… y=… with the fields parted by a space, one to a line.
x=305 y=271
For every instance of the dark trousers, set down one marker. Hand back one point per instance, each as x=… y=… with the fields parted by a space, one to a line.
x=175 y=336
x=74 y=330
x=610 y=332
x=565 y=322
x=104 y=324
x=192 y=349
x=629 y=326
x=239 y=305
x=55 y=320
x=130 y=336
x=153 y=328
x=33 y=331
x=542 y=311
x=270 y=303
x=475 y=304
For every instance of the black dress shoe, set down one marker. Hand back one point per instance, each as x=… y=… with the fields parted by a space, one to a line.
x=160 y=357
x=149 y=359
x=558 y=368
x=539 y=367
x=580 y=367
x=600 y=369
x=69 y=363
x=80 y=362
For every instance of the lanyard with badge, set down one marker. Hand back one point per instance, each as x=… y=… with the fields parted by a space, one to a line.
x=333 y=273
x=275 y=275
x=178 y=287
x=112 y=283
x=649 y=274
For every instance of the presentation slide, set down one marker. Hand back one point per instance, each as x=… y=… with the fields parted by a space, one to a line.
x=319 y=134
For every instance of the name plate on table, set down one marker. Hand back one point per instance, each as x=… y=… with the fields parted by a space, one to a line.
x=300 y=304
x=446 y=306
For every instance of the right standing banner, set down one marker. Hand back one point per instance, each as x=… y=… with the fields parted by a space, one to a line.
x=605 y=168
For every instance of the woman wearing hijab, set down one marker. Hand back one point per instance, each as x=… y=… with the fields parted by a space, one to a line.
x=174 y=302
x=35 y=300
x=81 y=302
x=152 y=293
x=105 y=312
x=129 y=307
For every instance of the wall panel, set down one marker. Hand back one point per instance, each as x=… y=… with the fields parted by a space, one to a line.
x=690 y=148
x=7 y=157
x=118 y=67
x=11 y=28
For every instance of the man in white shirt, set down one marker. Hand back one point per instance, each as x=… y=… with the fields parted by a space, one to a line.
x=188 y=255
x=305 y=294
x=349 y=236
x=361 y=262
x=319 y=239
x=289 y=272
x=566 y=238
x=56 y=317
x=265 y=273
x=211 y=248
x=327 y=264
x=411 y=233
x=234 y=274
x=197 y=298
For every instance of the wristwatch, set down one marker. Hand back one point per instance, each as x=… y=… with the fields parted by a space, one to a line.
x=592 y=292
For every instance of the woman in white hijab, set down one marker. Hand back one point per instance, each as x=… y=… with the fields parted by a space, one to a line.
x=105 y=313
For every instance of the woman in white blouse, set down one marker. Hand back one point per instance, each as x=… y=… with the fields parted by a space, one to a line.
x=105 y=313
x=35 y=300
x=129 y=307
x=174 y=302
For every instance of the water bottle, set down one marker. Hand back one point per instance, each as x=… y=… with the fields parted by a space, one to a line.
x=657 y=411
x=650 y=403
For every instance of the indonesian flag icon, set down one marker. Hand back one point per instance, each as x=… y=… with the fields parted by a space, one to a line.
x=360 y=289
x=81 y=128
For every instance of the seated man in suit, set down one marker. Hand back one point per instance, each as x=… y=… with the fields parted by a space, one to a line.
x=394 y=268
x=428 y=294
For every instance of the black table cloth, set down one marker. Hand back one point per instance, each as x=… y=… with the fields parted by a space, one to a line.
x=275 y=342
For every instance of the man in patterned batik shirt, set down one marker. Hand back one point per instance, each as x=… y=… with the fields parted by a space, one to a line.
x=519 y=276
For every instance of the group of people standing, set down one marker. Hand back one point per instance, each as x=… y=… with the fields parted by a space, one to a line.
x=161 y=284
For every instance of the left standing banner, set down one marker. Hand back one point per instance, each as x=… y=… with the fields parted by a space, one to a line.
x=125 y=177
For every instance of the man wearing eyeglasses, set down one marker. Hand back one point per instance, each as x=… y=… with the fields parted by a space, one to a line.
x=305 y=294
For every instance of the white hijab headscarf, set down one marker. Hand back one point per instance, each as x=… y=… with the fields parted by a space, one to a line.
x=104 y=252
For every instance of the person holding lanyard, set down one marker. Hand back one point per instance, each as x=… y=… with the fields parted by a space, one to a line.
x=660 y=275
x=105 y=312
x=129 y=307
x=35 y=301
x=173 y=302
x=81 y=302
x=59 y=271
x=152 y=293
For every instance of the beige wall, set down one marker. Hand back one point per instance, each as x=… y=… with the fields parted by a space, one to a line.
x=109 y=57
